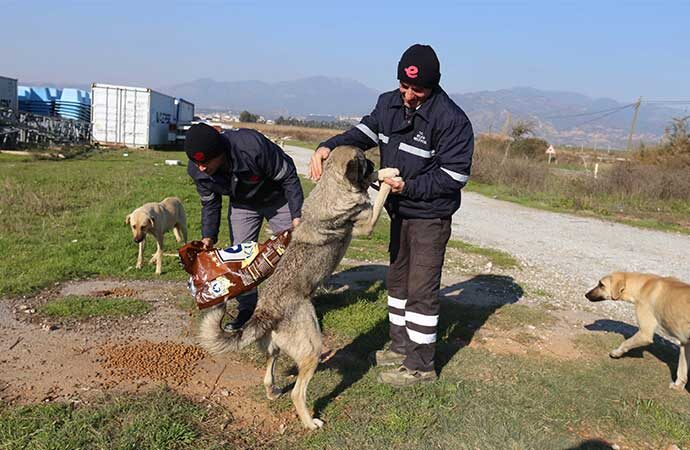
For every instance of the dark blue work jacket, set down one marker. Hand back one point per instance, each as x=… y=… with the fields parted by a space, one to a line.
x=433 y=149
x=258 y=174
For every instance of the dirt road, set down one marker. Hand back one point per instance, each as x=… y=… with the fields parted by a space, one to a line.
x=576 y=248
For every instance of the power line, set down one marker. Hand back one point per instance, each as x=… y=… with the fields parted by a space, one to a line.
x=611 y=110
x=667 y=100
x=606 y=115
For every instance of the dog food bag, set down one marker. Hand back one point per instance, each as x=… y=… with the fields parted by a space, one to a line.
x=219 y=274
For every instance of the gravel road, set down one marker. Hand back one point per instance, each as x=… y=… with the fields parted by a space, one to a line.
x=576 y=249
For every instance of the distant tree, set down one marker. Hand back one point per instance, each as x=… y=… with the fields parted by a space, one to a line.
x=518 y=132
x=676 y=137
x=522 y=129
x=336 y=124
x=246 y=116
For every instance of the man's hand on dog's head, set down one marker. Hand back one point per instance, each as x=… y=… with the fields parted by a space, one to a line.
x=316 y=162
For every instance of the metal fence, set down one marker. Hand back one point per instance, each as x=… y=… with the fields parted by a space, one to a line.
x=26 y=129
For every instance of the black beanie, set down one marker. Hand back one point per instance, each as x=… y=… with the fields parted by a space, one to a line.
x=202 y=142
x=419 y=66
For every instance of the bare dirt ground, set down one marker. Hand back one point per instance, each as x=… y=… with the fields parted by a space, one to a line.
x=45 y=360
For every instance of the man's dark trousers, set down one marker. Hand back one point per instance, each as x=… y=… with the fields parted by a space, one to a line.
x=417 y=249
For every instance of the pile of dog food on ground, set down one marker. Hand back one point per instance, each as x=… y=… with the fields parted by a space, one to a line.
x=163 y=361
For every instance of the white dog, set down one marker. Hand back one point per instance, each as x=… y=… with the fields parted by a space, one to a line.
x=156 y=219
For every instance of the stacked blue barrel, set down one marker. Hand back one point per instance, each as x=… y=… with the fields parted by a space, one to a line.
x=66 y=103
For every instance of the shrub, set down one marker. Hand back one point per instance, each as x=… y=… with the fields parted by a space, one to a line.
x=532 y=148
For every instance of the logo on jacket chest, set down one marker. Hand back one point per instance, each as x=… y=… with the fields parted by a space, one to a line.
x=419 y=137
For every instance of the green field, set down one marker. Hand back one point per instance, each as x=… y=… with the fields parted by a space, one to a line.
x=64 y=220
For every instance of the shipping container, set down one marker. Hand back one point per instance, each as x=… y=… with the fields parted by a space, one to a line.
x=8 y=94
x=131 y=116
x=184 y=111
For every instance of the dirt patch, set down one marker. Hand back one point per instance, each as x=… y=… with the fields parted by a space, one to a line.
x=118 y=292
x=46 y=359
x=171 y=362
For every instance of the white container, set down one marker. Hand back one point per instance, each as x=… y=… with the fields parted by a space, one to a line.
x=8 y=94
x=131 y=116
x=184 y=111
x=173 y=162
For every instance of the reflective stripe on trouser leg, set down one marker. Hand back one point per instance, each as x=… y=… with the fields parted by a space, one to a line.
x=396 y=282
x=396 y=311
x=421 y=328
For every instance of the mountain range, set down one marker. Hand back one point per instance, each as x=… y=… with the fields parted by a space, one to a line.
x=558 y=116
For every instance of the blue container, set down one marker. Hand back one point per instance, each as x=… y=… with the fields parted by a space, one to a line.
x=67 y=103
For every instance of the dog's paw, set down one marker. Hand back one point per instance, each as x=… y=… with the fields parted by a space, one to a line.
x=388 y=172
x=318 y=423
x=615 y=354
x=677 y=386
x=274 y=393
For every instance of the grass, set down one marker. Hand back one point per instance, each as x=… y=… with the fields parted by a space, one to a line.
x=65 y=219
x=484 y=400
x=159 y=420
x=498 y=257
x=303 y=144
x=82 y=307
x=513 y=316
x=555 y=203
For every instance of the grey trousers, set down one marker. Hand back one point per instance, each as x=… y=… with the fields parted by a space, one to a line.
x=245 y=225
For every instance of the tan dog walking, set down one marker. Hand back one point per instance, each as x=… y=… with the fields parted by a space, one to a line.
x=661 y=303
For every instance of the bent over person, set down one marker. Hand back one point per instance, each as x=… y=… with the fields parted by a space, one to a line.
x=424 y=134
x=258 y=177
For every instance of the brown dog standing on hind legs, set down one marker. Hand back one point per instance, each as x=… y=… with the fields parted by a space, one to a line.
x=285 y=319
x=660 y=303
x=156 y=219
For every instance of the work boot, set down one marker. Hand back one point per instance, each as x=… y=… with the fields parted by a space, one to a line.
x=387 y=358
x=402 y=377
x=238 y=322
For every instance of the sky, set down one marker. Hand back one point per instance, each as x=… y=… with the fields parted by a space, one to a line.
x=621 y=50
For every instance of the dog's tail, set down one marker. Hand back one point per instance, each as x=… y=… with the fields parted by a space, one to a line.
x=215 y=340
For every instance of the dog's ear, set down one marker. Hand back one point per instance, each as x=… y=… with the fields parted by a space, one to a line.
x=128 y=219
x=617 y=286
x=353 y=172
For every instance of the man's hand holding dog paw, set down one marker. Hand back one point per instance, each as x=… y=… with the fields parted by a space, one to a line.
x=396 y=185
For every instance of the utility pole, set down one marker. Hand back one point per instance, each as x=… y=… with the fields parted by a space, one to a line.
x=507 y=125
x=634 y=122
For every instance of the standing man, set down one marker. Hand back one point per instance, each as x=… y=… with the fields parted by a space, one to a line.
x=257 y=175
x=422 y=132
